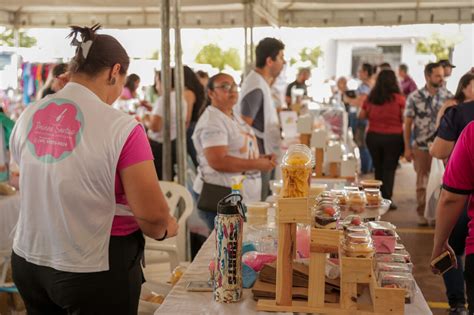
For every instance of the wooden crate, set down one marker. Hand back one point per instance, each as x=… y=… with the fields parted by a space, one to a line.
x=355 y=272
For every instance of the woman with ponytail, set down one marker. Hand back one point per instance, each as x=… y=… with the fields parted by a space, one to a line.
x=89 y=191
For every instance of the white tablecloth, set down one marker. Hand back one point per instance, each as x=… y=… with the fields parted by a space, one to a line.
x=9 y=211
x=179 y=301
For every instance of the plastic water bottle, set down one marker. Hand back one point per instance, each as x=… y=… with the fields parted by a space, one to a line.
x=228 y=260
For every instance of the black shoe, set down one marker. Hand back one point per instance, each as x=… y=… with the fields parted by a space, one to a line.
x=458 y=310
x=392 y=206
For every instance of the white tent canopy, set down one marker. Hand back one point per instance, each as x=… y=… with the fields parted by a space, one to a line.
x=230 y=13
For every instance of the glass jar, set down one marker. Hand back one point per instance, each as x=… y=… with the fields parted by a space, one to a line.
x=296 y=167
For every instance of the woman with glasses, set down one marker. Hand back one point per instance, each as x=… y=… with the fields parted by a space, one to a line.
x=226 y=146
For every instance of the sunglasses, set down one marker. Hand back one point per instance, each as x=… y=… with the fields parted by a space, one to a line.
x=228 y=87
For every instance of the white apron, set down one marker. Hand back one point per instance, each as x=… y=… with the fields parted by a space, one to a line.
x=271 y=133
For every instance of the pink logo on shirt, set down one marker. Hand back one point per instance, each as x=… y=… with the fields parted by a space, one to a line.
x=55 y=130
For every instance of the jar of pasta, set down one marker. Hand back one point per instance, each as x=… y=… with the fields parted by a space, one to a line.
x=296 y=167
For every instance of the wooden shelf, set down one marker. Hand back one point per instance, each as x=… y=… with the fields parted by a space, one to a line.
x=354 y=271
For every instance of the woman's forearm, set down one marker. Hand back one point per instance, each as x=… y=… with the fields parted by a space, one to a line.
x=231 y=164
x=450 y=207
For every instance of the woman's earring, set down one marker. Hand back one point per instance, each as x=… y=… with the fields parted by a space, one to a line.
x=112 y=81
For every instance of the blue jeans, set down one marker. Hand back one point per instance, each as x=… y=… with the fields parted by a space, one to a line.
x=469 y=276
x=206 y=216
x=454 y=278
x=360 y=135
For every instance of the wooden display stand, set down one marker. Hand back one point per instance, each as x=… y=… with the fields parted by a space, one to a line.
x=354 y=271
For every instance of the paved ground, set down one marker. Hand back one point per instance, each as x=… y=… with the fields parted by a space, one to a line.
x=418 y=241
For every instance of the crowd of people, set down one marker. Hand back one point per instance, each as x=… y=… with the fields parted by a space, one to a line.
x=228 y=133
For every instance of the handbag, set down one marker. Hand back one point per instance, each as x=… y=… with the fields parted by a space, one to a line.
x=210 y=196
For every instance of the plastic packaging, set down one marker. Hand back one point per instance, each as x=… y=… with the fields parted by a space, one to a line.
x=371 y=183
x=332 y=270
x=356 y=201
x=373 y=197
x=257 y=212
x=350 y=220
x=297 y=165
x=356 y=230
x=341 y=196
x=399 y=280
x=384 y=236
x=392 y=258
x=358 y=245
x=176 y=274
x=393 y=267
x=316 y=189
x=256 y=260
x=303 y=236
x=326 y=217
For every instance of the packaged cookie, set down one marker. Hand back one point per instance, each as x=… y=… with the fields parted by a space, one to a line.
x=373 y=197
x=356 y=201
x=341 y=196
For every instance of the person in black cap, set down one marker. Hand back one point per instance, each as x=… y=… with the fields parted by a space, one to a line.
x=447 y=66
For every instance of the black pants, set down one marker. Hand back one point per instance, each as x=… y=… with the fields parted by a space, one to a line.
x=157 y=150
x=469 y=277
x=454 y=278
x=385 y=150
x=47 y=291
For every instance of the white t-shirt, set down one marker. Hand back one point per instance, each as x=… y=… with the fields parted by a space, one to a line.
x=158 y=110
x=67 y=146
x=214 y=128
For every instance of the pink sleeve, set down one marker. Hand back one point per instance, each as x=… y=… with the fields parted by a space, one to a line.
x=459 y=175
x=135 y=150
x=126 y=94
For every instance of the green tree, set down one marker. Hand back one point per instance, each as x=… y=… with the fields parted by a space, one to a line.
x=437 y=45
x=155 y=54
x=308 y=55
x=214 y=55
x=7 y=38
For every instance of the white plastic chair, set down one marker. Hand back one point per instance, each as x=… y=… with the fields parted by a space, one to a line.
x=177 y=248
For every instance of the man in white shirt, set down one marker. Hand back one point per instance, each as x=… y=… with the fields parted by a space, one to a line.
x=255 y=102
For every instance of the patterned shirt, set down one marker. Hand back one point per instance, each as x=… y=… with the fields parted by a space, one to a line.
x=423 y=108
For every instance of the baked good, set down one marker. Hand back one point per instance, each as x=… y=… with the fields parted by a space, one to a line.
x=373 y=196
x=340 y=196
x=371 y=183
x=356 y=201
x=326 y=217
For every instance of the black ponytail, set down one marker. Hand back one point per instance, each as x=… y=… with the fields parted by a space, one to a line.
x=103 y=51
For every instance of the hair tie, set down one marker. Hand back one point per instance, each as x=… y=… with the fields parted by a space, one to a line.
x=86 y=46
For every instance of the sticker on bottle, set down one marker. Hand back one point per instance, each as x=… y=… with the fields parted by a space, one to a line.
x=55 y=130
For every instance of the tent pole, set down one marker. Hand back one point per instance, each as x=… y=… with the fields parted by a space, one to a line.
x=179 y=89
x=166 y=88
x=251 y=22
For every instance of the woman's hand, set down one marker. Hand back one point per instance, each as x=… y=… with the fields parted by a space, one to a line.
x=266 y=163
x=172 y=229
x=438 y=251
